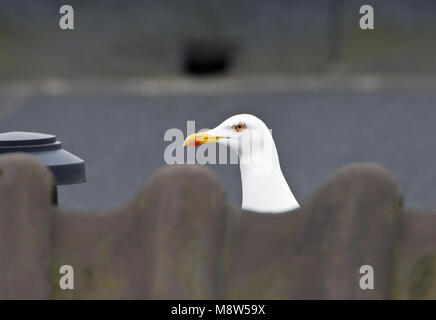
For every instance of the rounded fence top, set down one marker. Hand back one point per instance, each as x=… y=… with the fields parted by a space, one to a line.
x=66 y=167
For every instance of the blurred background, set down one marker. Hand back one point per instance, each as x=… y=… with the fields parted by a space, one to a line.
x=331 y=93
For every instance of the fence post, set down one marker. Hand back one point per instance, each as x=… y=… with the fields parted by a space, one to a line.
x=25 y=228
x=316 y=251
x=353 y=220
x=189 y=210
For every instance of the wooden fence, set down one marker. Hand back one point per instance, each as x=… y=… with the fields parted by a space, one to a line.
x=178 y=238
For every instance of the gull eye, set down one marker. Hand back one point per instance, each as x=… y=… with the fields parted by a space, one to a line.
x=239 y=127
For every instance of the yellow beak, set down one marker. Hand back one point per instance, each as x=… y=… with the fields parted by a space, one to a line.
x=199 y=138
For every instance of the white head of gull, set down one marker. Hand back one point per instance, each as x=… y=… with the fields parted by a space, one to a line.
x=264 y=188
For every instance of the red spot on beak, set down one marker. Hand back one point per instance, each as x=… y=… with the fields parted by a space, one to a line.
x=193 y=143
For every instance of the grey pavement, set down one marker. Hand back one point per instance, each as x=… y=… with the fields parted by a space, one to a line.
x=119 y=133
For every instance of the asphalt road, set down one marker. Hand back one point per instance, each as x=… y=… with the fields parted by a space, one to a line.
x=120 y=134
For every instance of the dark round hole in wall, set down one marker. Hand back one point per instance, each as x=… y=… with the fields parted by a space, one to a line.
x=207 y=57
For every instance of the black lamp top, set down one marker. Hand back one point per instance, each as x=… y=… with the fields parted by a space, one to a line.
x=66 y=167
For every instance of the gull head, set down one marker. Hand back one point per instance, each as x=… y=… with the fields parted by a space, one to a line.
x=238 y=132
x=264 y=188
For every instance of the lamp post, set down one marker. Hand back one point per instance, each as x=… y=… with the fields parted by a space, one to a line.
x=65 y=166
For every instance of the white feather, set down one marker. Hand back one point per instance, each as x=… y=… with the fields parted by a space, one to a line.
x=264 y=188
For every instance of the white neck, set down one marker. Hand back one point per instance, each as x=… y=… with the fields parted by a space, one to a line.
x=264 y=188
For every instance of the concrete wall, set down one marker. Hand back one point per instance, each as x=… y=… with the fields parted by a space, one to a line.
x=148 y=38
x=177 y=238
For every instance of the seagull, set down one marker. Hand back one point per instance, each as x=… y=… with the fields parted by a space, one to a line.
x=264 y=188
